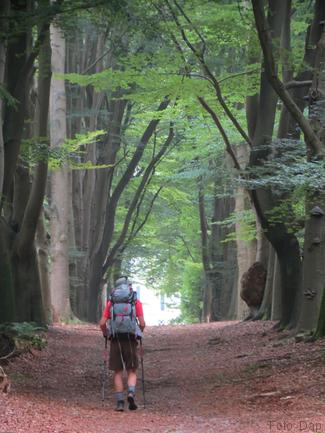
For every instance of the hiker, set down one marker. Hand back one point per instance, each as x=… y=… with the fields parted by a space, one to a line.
x=126 y=324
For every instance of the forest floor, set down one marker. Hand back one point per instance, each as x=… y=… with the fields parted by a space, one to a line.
x=223 y=377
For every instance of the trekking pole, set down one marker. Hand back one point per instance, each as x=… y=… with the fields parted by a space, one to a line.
x=142 y=375
x=104 y=372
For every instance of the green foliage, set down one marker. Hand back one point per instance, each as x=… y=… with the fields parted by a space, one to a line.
x=191 y=292
x=7 y=97
x=70 y=152
x=148 y=67
x=245 y=222
x=25 y=334
x=285 y=169
x=284 y=212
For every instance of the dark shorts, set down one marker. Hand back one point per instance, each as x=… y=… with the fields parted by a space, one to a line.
x=123 y=352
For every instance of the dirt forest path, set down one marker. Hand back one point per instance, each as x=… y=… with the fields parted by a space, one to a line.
x=223 y=377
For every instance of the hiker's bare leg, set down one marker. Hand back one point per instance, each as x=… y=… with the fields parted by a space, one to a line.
x=118 y=385
x=118 y=380
x=132 y=380
x=132 y=377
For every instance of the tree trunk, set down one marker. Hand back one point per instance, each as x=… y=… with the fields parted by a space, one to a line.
x=285 y=243
x=24 y=202
x=276 y=292
x=320 y=331
x=29 y=306
x=262 y=245
x=94 y=288
x=42 y=245
x=223 y=256
x=313 y=266
x=18 y=76
x=7 y=291
x=59 y=278
x=264 y=311
x=246 y=250
x=313 y=274
x=4 y=9
x=207 y=313
x=314 y=242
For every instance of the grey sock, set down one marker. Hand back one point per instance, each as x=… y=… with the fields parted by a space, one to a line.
x=132 y=389
x=119 y=396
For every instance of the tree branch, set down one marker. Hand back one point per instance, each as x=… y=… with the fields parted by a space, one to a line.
x=222 y=131
x=200 y=56
x=229 y=77
x=187 y=247
x=113 y=202
x=138 y=153
x=194 y=27
x=136 y=197
x=297 y=84
x=270 y=69
x=134 y=233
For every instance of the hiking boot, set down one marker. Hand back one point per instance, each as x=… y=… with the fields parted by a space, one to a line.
x=119 y=406
x=132 y=405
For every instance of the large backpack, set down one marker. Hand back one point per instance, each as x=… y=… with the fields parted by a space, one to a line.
x=122 y=312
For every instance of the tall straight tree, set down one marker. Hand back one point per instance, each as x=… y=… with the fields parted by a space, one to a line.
x=59 y=276
x=23 y=186
x=314 y=242
x=4 y=8
x=6 y=284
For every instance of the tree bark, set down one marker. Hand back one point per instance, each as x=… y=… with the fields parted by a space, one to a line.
x=42 y=245
x=4 y=9
x=270 y=68
x=7 y=291
x=19 y=258
x=284 y=242
x=36 y=196
x=314 y=244
x=313 y=266
x=246 y=250
x=313 y=274
x=32 y=200
x=18 y=86
x=276 y=292
x=208 y=287
x=59 y=278
x=264 y=311
x=320 y=330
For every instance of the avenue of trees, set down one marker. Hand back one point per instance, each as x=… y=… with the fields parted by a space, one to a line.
x=177 y=141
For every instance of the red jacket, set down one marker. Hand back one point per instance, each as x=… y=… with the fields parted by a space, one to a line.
x=138 y=309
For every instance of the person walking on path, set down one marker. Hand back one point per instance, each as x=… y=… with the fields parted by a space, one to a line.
x=124 y=314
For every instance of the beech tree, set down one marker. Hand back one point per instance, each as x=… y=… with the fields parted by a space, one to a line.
x=24 y=49
x=313 y=277
x=59 y=274
x=20 y=203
